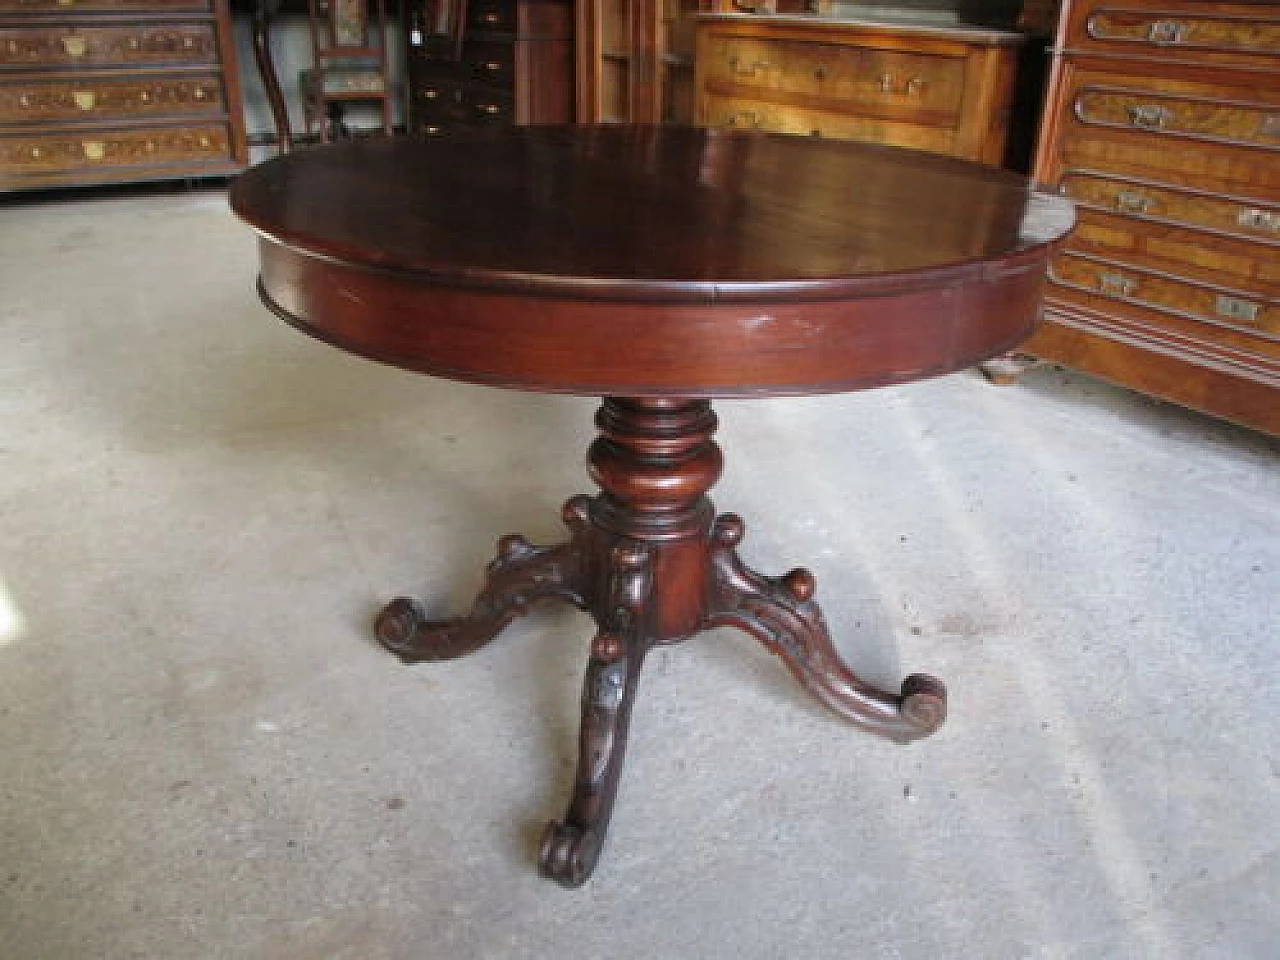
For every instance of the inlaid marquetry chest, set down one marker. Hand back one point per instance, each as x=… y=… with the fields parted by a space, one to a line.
x=1163 y=124
x=944 y=89
x=96 y=91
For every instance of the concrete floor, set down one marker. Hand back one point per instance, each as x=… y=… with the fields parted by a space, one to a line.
x=202 y=755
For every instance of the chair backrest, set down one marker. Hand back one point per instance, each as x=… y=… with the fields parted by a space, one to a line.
x=341 y=30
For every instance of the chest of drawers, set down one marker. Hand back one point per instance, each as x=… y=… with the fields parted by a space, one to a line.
x=95 y=91
x=942 y=89
x=512 y=63
x=1163 y=123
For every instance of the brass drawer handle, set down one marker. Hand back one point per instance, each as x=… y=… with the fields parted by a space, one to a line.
x=909 y=89
x=490 y=108
x=85 y=99
x=75 y=46
x=1116 y=284
x=1149 y=116
x=735 y=65
x=94 y=149
x=491 y=17
x=493 y=66
x=1131 y=201
x=1259 y=219
x=1233 y=308
x=1166 y=31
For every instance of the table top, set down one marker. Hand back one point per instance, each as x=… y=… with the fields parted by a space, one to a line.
x=582 y=238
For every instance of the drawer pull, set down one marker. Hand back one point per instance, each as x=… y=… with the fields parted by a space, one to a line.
x=735 y=65
x=1149 y=116
x=490 y=108
x=1166 y=31
x=432 y=130
x=85 y=99
x=744 y=118
x=1131 y=201
x=493 y=66
x=24 y=100
x=1259 y=219
x=75 y=46
x=491 y=17
x=430 y=93
x=909 y=89
x=1233 y=308
x=94 y=149
x=1116 y=285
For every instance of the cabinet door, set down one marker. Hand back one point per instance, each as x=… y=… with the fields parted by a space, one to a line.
x=635 y=61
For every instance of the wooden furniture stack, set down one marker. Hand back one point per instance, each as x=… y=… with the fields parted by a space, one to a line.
x=1163 y=124
x=489 y=62
x=944 y=89
x=94 y=91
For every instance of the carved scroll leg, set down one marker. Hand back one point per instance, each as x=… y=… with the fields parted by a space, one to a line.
x=571 y=846
x=518 y=576
x=781 y=613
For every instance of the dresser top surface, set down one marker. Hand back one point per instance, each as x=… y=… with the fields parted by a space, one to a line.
x=651 y=213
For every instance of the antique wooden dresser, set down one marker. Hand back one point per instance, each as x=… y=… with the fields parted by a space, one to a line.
x=1163 y=123
x=93 y=91
x=945 y=89
x=489 y=61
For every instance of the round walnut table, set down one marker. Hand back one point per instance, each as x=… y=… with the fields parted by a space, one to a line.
x=657 y=268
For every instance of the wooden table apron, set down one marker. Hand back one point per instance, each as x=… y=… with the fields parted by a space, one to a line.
x=373 y=249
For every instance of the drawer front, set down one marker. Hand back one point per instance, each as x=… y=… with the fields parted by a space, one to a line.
x=1222 y=307
x=104 y=6
x=98 y=98
x=757 y=115
x=1250 y=218
x=924 y=88
x=44 y=154
x=491 y=62
x=492 y=15
x=133 y=45
x=1243 y=124
x=1225 y=33
x=1187 y=253
x=488 y=106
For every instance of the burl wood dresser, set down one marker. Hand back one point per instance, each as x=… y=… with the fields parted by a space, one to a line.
x=1163 y=123
x=93 y=91
x=508 y=61
x=938 y=88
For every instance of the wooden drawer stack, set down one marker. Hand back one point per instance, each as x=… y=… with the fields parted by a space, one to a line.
x=512 y=64
x=1163 y=123
x=93 y=91
x=942 y=89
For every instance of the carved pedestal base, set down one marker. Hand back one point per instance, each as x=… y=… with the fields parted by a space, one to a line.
x=648 y=559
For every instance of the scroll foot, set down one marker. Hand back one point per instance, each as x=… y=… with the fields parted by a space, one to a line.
x=520 y=575
x=781 y=613
x=570 y=847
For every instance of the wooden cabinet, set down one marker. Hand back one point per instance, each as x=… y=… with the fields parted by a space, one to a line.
x=635 y=61
x=94 y=91
x=943 y=89
x=508 y=61
x=1163 y=124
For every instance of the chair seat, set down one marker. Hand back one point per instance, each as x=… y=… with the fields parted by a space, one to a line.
x=339 y=80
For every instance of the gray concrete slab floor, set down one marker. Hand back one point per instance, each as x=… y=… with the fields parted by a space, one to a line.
x=203 y=755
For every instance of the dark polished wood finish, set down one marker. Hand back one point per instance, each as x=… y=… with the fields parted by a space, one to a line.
x=723 y=265
x=489 y=62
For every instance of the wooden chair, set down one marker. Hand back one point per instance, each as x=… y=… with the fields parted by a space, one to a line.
x=350 y=64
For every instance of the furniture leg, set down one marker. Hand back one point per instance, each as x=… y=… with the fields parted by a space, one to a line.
x=781 y=613
x=520 y=575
